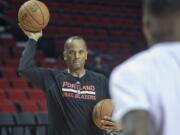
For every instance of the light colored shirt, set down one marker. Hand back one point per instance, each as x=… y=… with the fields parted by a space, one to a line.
x=150 y=81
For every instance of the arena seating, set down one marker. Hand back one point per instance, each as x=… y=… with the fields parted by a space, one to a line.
x=112 y=30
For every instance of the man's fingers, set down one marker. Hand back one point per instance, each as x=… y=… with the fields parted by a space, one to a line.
x=35 y=35
x=109 y=125
x=107 y=118
x=19 y=25
x=108 y=128
x=25 y=32
x=21 y=28
x=105 y=122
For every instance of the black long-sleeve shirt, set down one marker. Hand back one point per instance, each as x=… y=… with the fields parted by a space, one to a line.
x=70 y=99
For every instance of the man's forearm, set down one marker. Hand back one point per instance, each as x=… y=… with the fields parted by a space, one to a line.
x=136 y=123
x=28 y=54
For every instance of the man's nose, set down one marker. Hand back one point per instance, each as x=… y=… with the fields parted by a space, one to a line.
x=76 y=55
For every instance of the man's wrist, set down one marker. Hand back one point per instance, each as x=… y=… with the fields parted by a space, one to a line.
x=34 y=38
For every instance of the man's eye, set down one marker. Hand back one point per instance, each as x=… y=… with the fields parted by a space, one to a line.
x=81 y=52
x=70 y=52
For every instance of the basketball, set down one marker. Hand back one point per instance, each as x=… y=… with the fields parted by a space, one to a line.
x=33 y=16
x=101 y=109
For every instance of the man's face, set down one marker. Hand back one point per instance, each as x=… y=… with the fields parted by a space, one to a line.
x=75 y=55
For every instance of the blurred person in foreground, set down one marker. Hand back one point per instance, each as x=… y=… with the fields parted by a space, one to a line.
x=145 y=89
x=72 y=93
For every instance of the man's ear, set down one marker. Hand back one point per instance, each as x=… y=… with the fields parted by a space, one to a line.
x=86 y=55
x=146 y=22
x=64 y=55
x=65 y=58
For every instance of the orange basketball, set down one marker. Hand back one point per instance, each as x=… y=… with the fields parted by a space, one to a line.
x=33 y=16
x=101 y=109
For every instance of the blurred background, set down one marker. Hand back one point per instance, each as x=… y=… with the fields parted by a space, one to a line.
x=111 y=28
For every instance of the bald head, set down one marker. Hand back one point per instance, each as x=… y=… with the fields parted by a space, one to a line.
x=70 y=41
x=161 y=7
